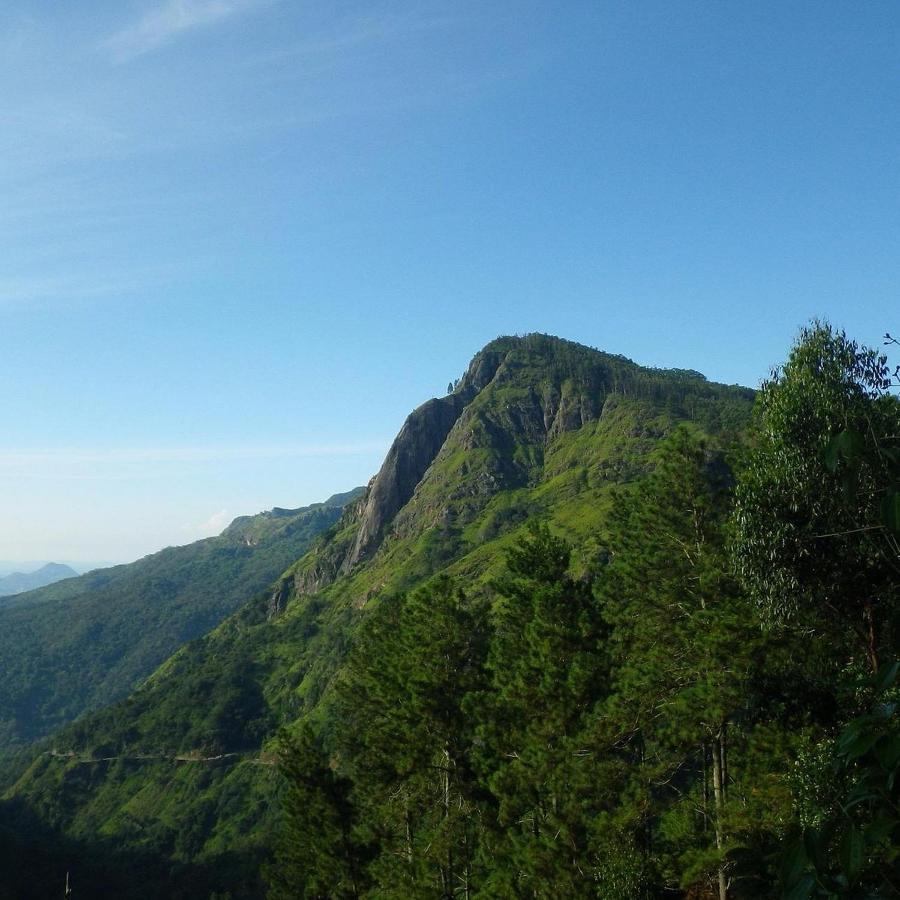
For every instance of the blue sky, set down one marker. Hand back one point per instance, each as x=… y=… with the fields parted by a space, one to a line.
x=241 y=239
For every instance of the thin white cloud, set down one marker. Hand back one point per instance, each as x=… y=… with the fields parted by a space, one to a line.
x=26 y=290
x=113 y=280
x=167 y=22
x=51 y=121
x=212 y=526
x=16 y=461
x=361 y=32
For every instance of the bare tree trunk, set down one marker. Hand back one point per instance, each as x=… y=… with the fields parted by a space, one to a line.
x=723 y=755
x=466 y=867
x=705 y=790
x=446 y=785
x=719 y=793
x=648 y=819
x=409 y=850
x=871 y=642
x=446 y=790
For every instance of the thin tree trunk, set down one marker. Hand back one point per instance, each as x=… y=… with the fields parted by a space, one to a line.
x=648 y=826
x=871 y=642
x=705 y=790
x=467 y=865
x=409 y=850
x=719 y=793
x=723 y=754
x=446 y=787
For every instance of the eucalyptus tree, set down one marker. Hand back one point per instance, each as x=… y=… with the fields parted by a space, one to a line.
x=818 y=507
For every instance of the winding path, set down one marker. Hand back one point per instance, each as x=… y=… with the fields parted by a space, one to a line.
x=148 y=757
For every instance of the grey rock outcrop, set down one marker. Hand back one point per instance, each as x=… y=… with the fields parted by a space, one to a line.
x=412 y=452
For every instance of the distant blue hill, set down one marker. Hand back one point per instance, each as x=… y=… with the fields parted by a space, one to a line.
x=18 y=582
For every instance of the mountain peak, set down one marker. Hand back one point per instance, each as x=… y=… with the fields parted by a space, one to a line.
x=490 y=433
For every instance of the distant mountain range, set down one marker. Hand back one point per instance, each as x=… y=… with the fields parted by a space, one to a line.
x=18 y=582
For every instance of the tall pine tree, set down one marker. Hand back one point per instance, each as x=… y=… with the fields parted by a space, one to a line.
x=683 y=645
x=408 y=741
x=544 y=671
x=316 y=856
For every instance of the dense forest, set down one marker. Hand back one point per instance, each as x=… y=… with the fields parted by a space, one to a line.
x=710 y=712
x=594 y=630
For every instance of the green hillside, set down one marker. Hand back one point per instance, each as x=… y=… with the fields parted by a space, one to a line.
x=179 y=774
x=86 y=642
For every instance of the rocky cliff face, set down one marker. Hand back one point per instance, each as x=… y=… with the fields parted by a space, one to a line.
x=454 y=453
x=415 y=447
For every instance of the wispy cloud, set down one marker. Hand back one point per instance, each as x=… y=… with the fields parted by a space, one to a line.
x=53 y=121
x=212 y=526
x=27 y=290
x=37 y=135
x=361 y=32
x=114 y=280
x=169 y=21
x=56 y=460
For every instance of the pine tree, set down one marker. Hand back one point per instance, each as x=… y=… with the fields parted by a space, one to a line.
x=683 y=645
x=316 y=856
x=408 y=740
x=544 y=669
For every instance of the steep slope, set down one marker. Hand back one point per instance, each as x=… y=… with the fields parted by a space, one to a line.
x=17 y=582
x=537 y=427
x=88 y=641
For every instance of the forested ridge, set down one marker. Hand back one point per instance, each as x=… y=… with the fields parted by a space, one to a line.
x=593 y=631
x=709 y=713
x=83 y=643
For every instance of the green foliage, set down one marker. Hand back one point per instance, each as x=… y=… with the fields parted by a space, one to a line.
x=316 y=856
x=815 y=518
x=817 y=545
x=852 y=849
x=544 y=671
x=684 y=647
x=608 y=747
x=407 y=740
